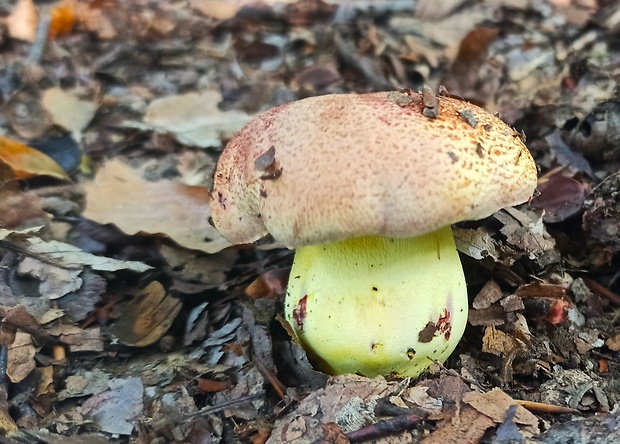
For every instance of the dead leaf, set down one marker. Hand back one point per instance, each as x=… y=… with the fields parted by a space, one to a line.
x=66 y=255
x=45 y=384
x=68 y=111
x=147 y=317
x=497 y=342
x=270 y=284
x=467 y=428
x=7 y=423
x=62 y=17
x=120 y=196
x=84 y=383
x=463 y=78
x=560 y=197
x=613 y=343
x=495 y=404
x=431 y=10
x=317 y=77
x=76 y=305
x=27 y=116
x=116 y=409
x=199 y=268
x=20 y=360
x=347 y=400
x=217 y=9
x=476 y=244
x=419 y=396
x=194 y=119
x=92 y=17
x=26 y=162
x=78 y=340
x=18 y=208
x=488 y=295
x=22 y=23
x=55 y=281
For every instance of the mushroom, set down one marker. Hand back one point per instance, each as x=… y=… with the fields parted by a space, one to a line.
x=366 y=188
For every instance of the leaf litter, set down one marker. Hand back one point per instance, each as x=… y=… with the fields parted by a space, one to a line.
x=125 y=316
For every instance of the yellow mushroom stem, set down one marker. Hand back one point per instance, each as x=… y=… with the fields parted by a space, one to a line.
x=378 y=306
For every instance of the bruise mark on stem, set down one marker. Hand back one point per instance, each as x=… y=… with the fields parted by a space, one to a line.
x=299 y=313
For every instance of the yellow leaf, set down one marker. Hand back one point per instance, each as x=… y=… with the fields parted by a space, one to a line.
x=26 y=162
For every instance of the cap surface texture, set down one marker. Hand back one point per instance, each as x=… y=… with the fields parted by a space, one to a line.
x=333 y=167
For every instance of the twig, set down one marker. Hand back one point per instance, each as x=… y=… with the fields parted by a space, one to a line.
x=384 y=428
x=42 y=336
x=7 y=82
x=271 y=378
x=602 y=291
x=539 y=407
x=42 y=258
x=225 y=405
x=43 y=29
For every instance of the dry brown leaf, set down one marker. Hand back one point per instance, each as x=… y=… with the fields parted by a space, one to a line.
x=488 y=295
x=78 y=340
x=62 y=17
x=68 y=111
x=84 y=383
x=120 y=196
x=147 y=317
x=116 y=409
x=93 y=17
x=55 y=281
x=20 y=360
x=7 y=424
x=466 y=428
x=495 y=403
x=270 y=284
x=476 y=244
x=64 y=255
x=432 y=10
x=205 y=270
x=613 y=343
x=217 y=9
x=22 y=23
x=194 y=119
x=45 y=383
x=27 y=116
x=497 y=342
x=26 y=162
x=18 y=208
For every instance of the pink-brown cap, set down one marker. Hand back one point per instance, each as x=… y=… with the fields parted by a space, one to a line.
x=334 y=167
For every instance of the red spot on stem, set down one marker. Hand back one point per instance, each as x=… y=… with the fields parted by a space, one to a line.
x=444 y=326
x=299 y=313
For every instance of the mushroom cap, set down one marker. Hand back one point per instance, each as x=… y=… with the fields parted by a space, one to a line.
x=334 y=167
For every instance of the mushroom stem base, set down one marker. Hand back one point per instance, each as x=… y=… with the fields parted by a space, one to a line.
x=378 y=306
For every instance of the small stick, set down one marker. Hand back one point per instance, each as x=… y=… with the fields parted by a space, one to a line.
x=40 y=257
x=225 y=405
x=268 y=374
x=384 y=428
x=602 y=291
x=43 y=29
x=541 y=407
